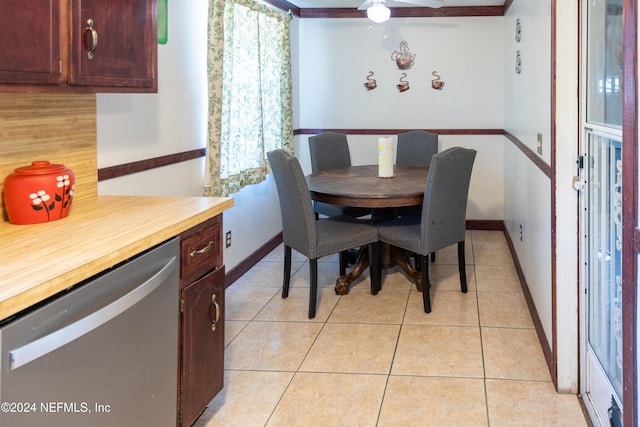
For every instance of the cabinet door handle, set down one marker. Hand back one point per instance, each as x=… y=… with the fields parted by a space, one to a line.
x=202 y=250
x=214 y=304
x=90 y=38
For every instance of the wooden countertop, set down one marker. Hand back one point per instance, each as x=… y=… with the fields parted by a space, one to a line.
x=40 y=260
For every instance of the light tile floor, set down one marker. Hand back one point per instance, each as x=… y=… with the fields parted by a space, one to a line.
x=368 y=360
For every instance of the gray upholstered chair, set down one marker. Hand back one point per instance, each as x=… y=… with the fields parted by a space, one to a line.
x=313 y=237
x=443 y=218
x=330 y=150
x=415 y=148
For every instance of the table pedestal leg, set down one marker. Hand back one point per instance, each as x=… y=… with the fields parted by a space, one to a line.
x=362 y=263
x=400 y=257
x=390 y=256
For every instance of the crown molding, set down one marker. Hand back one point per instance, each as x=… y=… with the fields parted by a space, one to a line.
x=396 y=12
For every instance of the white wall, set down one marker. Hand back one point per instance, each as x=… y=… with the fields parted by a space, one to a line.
x=337 y=54
x=527 y=204
x=527 y=112
x=528 y=190
x=139 y=126
x=528 y=94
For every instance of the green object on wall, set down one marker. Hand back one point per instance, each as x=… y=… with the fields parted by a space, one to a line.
x=163 y=28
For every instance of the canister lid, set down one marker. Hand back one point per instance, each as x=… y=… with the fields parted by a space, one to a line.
x=40 y=167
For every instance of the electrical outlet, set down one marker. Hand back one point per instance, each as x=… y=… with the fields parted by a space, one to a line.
x=228 y=239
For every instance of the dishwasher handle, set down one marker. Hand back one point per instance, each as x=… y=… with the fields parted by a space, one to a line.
x=53 y=341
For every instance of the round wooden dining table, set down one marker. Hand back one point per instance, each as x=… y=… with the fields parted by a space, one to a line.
x=360 y=186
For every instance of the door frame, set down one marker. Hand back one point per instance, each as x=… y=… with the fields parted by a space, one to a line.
x=630 y=231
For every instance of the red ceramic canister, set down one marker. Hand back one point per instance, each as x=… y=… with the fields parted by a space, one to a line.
x=39 y=193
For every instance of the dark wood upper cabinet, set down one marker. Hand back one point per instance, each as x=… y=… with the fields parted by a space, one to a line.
x=30 y=49
x=113 y=43
x=78 y=46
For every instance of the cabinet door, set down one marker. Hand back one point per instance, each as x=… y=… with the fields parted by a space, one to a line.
x=202 y=373
x=113 y=43
x=30 y=51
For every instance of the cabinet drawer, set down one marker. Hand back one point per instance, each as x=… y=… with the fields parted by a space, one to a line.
x=201 y=251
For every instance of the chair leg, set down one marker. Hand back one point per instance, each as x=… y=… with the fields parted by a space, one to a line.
x=416 y=260
x=286 y=277
x=313 y=288
x=461 y=267
x=426 y=284
x=375 y=272
x=344 y=260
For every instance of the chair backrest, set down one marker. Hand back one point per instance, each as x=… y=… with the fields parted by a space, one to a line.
x=329 y=150
x=444 y=209
x=415 y=148
x=298 y=219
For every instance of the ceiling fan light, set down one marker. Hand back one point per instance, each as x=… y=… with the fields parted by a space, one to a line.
x=378 y=13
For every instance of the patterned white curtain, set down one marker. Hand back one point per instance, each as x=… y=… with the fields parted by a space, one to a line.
x=250 y=106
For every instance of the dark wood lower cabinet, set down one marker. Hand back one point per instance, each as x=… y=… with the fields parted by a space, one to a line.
x=201 y=347
x=202 y=344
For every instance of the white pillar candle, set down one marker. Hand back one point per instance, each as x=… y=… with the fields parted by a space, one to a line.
x=385 y=157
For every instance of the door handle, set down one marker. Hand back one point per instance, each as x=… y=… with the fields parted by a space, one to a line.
x=216 y=316
x=577 y=183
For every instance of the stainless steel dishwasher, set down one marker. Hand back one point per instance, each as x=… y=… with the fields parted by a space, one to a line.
x=102 y=354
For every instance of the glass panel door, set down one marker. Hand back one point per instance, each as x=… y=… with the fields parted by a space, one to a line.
x=601 y=207
x=603 y=271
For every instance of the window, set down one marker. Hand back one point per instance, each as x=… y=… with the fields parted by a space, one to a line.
x=250 y=111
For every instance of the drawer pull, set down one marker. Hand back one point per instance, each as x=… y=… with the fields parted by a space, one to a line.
x=203 y=250
x=215 y=304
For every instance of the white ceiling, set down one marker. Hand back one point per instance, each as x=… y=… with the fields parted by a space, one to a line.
x=390 y=3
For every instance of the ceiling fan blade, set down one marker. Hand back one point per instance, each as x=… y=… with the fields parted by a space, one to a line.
x=365 y=5
x=435 y=4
